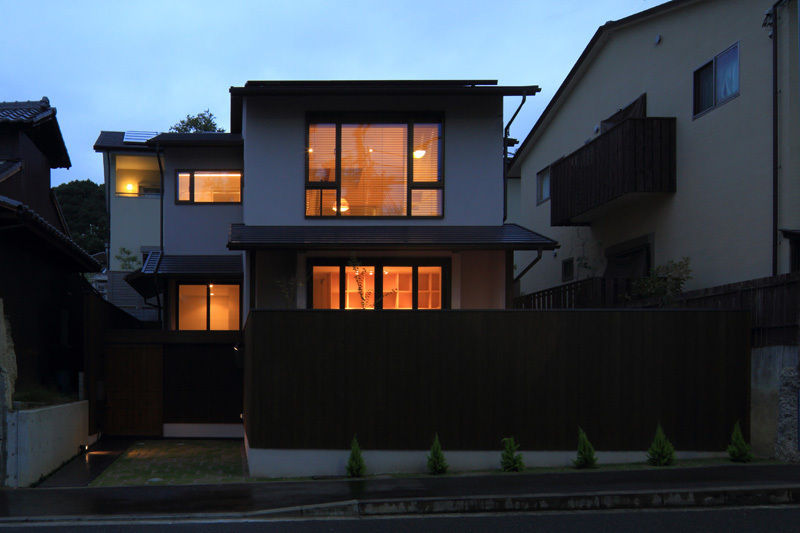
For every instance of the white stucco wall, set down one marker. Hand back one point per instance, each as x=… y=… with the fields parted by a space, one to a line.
x=721 y=215
x=274 y=156
x=41 y=440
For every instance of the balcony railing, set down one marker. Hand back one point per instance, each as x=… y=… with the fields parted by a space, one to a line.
x=635 y=156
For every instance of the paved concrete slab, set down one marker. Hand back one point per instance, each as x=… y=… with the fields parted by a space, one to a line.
x=83 y=469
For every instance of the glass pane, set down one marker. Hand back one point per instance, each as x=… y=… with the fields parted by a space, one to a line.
x=727 y=75
x=397 y=288
x=544 y=185
x=322 y=152
x=216 y=186
x=704 y=88
x=325 y=290
x=224 y=306
x=312 y=202
x=192 y=306
x=322 y=202
x=374 y=169
x=429 y=287
x=427 y=140
x=136 y=175
x=360 y=287
x=184 y=180
x=426 y=202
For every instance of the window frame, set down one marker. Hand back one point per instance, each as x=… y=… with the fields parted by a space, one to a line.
x=713 y=62
x=387 y=117
x=379 y=263
x=568 y=266
x=539 y=196
x=205 y=282
x=191 y=173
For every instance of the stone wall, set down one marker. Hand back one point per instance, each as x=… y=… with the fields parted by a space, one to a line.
x=766 y=365
x=786 y=442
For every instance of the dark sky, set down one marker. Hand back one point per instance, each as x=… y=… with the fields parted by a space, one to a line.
x=144 y=65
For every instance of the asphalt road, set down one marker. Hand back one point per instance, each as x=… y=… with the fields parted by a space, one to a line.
x=752 y=519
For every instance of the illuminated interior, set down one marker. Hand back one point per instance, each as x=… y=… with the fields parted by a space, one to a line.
x=136 y=175
x=212 y=306
x=360 y=284
x=210 y=186
x=398 y=292
x=373 y=170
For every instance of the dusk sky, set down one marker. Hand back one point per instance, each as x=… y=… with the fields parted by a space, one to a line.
x=145 y=65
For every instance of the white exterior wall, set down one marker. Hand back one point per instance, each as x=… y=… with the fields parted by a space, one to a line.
x=274 y=157
x=721 y=215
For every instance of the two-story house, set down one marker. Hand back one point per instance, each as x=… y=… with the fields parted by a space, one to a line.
x=348 y=195
x=674 y=135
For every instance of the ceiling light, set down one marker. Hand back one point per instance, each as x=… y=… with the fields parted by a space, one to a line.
x=310 y=150
x=419 y=154
x=129 y=187
x=345 y=206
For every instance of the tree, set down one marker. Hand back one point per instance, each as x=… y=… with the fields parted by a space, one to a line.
x=83 y=204
x=203 y=121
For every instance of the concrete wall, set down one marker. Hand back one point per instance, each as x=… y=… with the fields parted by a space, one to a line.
x=200 y=228
x=724 y=158
x=41 y=440
x=766 y=365
x=274 y=156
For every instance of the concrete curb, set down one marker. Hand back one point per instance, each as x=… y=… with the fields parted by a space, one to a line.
x=643 y=499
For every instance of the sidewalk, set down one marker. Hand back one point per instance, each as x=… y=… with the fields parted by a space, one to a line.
x=676 y=487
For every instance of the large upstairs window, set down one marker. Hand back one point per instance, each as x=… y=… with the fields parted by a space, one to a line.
x=374 y=168
x=136 y=176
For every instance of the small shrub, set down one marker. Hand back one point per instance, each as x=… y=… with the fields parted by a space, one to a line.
x=436 y=461
x=739 y=451
x=510 y=460
x=586 y=457
x=661 y=452
x=355 y=464
x=664 y=282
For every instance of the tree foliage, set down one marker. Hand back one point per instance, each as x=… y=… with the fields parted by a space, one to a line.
x=437 y=464
x=739 y=451
x=586 y=457
x=510 y=460
x=83 y=203
x=203 y=121
x=665 y=282
x=355 y=463
x=661 y=452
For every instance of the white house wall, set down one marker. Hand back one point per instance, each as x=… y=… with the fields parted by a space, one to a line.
x=274 y=156
x=721 y=215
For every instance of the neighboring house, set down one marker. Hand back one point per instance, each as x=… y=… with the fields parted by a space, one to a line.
x=666 y=141
x=325 y=195
x=40 y=282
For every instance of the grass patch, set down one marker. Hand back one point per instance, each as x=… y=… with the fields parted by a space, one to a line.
x=33 y=396
x=176 y=462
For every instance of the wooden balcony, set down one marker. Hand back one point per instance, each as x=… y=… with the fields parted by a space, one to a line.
x=635 y=156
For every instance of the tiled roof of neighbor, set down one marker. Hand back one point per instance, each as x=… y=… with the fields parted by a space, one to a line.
x=9 y=168
x=505 y=237
x=193 y=264
x=28 y=111
x=33 y=221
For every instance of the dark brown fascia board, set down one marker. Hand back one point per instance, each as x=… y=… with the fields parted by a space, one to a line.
x=519 y=90
x=362 y=83
x=601 y=32
x=14 y=169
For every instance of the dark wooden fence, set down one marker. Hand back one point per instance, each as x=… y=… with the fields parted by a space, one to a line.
x=773 y=302
x=313 y=379
x=635 y=156
x=199 y=374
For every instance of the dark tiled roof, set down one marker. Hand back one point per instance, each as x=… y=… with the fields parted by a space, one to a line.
x=505 y=237
x=26 y=112
x=193 y=264
x=197 y=139
x=39 y=121
x=355 y=87
x=28 y=217
x=112 y=140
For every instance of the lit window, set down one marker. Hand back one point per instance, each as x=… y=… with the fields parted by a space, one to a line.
x=208 y=307
x=209 y=187
x=717 y=81
x=399 y=287
x=136 y=175
x=378 y=172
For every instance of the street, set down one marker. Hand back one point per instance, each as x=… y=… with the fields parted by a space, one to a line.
x=753 y=519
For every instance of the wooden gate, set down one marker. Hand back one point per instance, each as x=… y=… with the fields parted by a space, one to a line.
x=134 y=389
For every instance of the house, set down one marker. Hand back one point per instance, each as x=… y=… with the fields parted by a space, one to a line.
x=674 y=135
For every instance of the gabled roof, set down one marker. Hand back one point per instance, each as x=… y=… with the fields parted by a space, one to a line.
x=150 y=279
x=601 y=36
x=113 y=141
x=505 y=237
x=28 y=219
x=38 y=120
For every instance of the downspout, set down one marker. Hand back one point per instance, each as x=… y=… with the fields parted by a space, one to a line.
x=107 y=163
x=161 y=233
x=772 y=22
x=530 y=265
x=506 y=141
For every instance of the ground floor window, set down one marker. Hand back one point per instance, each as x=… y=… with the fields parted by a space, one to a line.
x=208 y=306
x=378 y=284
